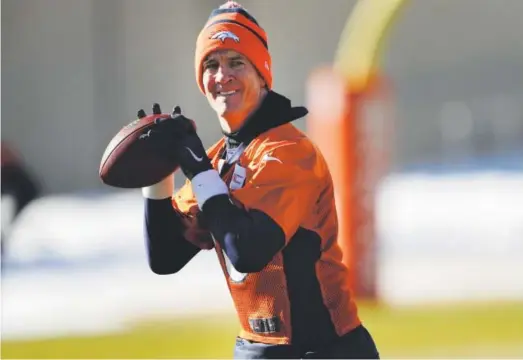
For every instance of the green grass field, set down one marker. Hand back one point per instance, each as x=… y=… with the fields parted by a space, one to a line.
x=486 y=330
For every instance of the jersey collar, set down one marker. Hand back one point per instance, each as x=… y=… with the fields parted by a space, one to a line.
x=275 y=110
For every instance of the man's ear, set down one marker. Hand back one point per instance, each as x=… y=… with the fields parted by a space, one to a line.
x=263 y=82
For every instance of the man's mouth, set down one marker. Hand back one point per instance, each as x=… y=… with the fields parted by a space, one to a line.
x=227 y=93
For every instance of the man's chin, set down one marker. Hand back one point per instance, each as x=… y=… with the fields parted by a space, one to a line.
x=229 y=112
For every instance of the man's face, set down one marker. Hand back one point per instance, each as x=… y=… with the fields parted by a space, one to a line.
x=232 y=85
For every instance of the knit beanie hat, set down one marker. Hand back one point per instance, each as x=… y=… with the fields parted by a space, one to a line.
x=231 y=27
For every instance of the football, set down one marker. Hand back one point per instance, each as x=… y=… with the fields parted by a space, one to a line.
x=129 y=162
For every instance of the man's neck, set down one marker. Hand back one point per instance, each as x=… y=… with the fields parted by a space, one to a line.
x=234 y=122
x=275 y=110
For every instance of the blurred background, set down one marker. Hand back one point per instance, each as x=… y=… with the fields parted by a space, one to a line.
x=449 y=209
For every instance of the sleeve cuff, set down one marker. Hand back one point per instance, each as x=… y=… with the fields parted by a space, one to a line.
x=206 y=185
x=162 y=190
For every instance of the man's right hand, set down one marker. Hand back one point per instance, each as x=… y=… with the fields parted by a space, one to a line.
x=176 y=137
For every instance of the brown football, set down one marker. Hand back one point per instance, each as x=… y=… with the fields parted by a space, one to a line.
x=130 y=163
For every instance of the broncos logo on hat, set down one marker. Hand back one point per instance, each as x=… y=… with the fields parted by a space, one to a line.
x=222 y=35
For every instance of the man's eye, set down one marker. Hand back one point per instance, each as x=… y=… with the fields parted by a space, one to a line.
x=236 y=63
x=211 y=66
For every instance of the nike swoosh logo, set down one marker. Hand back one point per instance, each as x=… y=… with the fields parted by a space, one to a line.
x=197 y=158
x=267 y=157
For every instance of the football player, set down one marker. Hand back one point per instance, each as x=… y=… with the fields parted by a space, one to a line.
x=263 y=198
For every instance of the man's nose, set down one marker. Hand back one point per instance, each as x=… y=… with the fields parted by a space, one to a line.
x=223 y=75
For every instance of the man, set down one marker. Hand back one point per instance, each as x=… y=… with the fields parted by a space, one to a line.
x=262 y=196
x=19 y=188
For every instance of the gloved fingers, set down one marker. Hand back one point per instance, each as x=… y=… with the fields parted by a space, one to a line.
x=176 y=111
x=141 y=114
x=179 y=128
x=156 y=109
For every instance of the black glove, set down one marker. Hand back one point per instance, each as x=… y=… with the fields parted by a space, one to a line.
x=176 y=137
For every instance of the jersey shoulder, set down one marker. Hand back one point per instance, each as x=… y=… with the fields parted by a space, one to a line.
x=289 y=147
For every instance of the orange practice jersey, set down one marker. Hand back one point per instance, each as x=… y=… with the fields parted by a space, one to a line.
x=301 y=296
